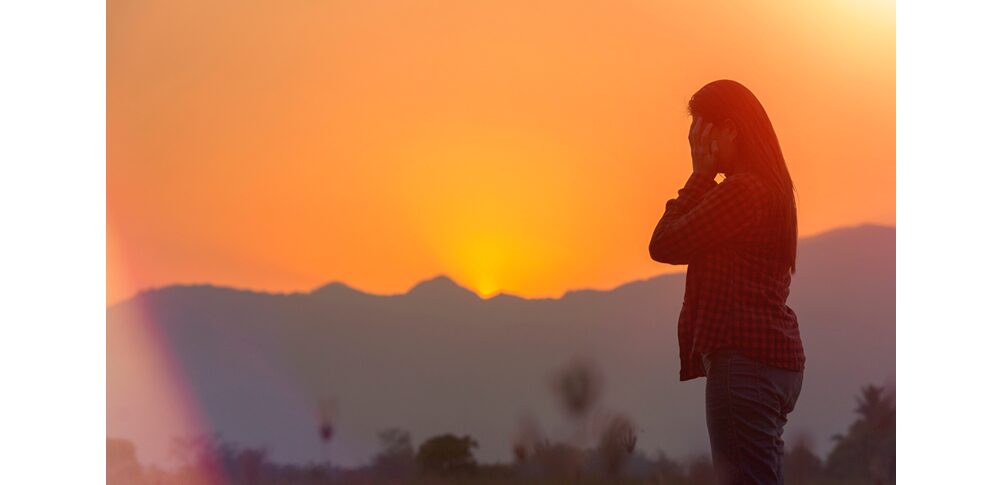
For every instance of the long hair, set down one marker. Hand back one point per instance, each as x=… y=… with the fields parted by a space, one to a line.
x=758 y=148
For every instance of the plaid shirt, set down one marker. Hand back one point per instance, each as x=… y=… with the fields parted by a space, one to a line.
x=735 y=290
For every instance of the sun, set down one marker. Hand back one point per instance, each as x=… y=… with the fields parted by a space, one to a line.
x=483 y=264
x=498 y=195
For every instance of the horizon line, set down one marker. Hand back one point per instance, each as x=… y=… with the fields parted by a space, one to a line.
x=447 y=277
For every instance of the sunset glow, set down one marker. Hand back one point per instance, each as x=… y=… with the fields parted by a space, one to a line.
x=519 y=147
x=163 y=403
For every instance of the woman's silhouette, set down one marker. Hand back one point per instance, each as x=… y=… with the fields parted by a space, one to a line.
x=738 y=238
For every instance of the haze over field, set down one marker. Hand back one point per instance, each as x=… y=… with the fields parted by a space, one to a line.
x=439 y=358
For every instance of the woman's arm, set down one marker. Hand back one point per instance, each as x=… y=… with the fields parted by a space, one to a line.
x=705 y=215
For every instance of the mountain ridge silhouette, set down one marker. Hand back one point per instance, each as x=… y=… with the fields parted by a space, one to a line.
x=254 y=364
x=442 y=280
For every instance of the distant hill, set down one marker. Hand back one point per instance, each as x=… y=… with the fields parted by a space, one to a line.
x=440 y=359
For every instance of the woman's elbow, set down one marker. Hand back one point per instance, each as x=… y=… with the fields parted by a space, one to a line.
x=664 y=254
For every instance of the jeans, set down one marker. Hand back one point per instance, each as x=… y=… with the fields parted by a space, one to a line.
x=746 y=406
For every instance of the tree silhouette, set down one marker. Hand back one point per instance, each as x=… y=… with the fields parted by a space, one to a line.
x=801 y=465
x=527 y=440
x=447 y=455
x=666 y=470
x=397 y=458
x=701 y=471
x=251 y=463
x=868 y=451
x=617 y=443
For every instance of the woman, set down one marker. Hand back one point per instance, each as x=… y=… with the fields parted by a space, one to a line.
x=738 y=239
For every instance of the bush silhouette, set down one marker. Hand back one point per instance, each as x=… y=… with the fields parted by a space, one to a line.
x=447 y=455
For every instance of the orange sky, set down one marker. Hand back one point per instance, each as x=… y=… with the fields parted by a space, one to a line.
x=517 y=146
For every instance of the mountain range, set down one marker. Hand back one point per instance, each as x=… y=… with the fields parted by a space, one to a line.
x=260 y=368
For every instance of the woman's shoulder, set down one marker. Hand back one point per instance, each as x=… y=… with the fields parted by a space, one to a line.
x=761 y=195
x=752 y=184
x=746 y=179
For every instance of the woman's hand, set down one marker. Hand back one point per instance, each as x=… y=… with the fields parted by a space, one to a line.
x=703 y=148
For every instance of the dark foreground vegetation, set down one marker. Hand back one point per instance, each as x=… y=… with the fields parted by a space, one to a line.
x=865 y=454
